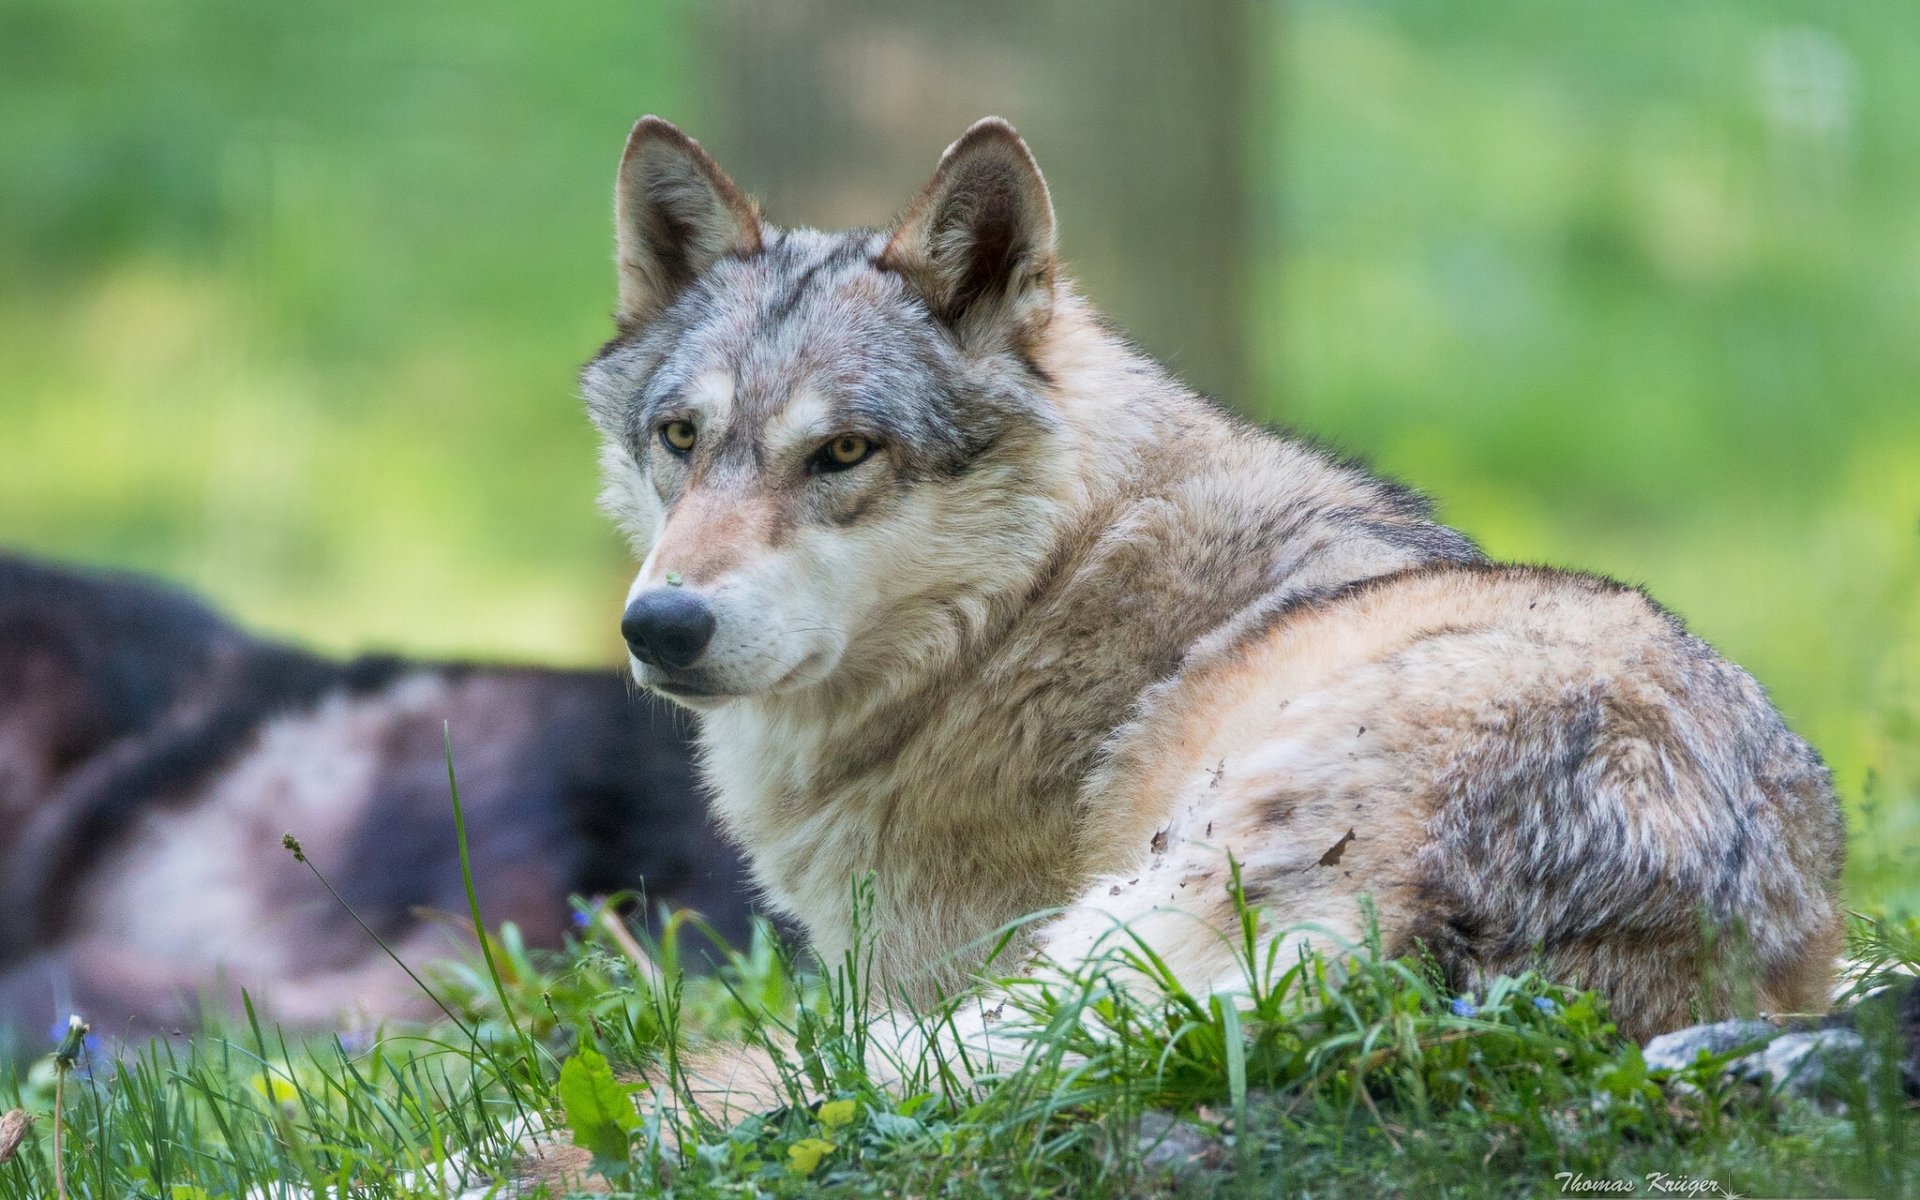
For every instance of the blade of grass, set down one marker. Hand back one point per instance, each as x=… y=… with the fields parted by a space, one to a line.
x=481 y=1049
x=473 y=900
x=1236 y=1048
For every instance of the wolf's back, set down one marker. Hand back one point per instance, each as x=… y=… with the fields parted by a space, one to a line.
x=152 y=753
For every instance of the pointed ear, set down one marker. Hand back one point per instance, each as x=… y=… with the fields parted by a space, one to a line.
x=675 y=214
x=978 y=241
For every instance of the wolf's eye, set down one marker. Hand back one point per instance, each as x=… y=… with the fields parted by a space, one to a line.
x=678 y=436
x=847 y=450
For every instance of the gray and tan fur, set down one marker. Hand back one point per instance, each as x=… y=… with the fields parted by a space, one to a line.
x=152 y=755
x=978 y=600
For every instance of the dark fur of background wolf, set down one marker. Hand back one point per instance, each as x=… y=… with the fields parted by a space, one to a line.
x=152 y=754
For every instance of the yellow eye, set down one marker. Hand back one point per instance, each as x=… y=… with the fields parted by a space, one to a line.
x=847 y=450
x=678 y=436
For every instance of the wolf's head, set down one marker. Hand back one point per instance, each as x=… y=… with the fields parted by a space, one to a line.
x=835 y=451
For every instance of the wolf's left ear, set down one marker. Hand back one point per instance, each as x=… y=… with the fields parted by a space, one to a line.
x=978 y=241
x=675 y=214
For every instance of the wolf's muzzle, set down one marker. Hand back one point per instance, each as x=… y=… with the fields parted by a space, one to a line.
x=668 y=627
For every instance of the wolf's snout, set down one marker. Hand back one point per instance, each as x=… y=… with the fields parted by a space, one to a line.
x=667 y=627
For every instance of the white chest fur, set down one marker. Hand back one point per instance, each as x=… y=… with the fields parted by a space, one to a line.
x=954 y=835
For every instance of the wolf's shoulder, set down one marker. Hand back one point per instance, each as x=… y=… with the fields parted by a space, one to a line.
x=1456 y=639
x=1534 y=611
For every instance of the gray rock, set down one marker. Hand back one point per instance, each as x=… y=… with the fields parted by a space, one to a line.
x=1819 y=1064
x=1170 y=1144
x=1814 y=1064
x=1672 y=1051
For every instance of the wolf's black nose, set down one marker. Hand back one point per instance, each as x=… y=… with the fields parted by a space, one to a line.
x=667 y=627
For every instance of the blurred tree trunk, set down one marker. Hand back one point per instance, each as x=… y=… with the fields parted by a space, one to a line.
x=833 y=112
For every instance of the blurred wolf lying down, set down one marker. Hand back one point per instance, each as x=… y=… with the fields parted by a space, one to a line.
x=152 y=755
x=976 y=599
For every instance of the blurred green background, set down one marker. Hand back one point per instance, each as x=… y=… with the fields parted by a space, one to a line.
x=291 y=295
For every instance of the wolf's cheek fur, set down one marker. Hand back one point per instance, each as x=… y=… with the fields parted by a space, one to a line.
x=781 y=599
x=629 y=498
x=876 y=595
x=788 y=614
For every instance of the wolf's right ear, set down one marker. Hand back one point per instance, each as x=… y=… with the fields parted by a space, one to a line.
x=675 y=214
x=978 y=241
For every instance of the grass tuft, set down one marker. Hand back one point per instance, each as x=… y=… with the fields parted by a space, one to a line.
x=1356 y=1076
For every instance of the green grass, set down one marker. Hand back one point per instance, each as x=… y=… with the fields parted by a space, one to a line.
x=1355 y=1076
x=1358 y=1078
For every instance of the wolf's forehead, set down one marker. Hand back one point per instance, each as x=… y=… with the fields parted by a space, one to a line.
x=810 y=312
x=811 y=318
x=800 y=340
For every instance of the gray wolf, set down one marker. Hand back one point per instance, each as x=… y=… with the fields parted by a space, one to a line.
x=979 y=602
x=152 y=755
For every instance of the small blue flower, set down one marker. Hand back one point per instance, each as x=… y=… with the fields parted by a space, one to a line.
x=57 y=1033
x=1463 y=1006
x=581 y=919
x=1545 y=1005
x=74 y=1046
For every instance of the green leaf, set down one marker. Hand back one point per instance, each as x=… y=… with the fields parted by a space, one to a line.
x=894 y=1126
x=803 y=1157
x=836 y=1113
x=913 y=1104
x=598 y=1108
x=1236 y=1048
x=1628 y=1075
